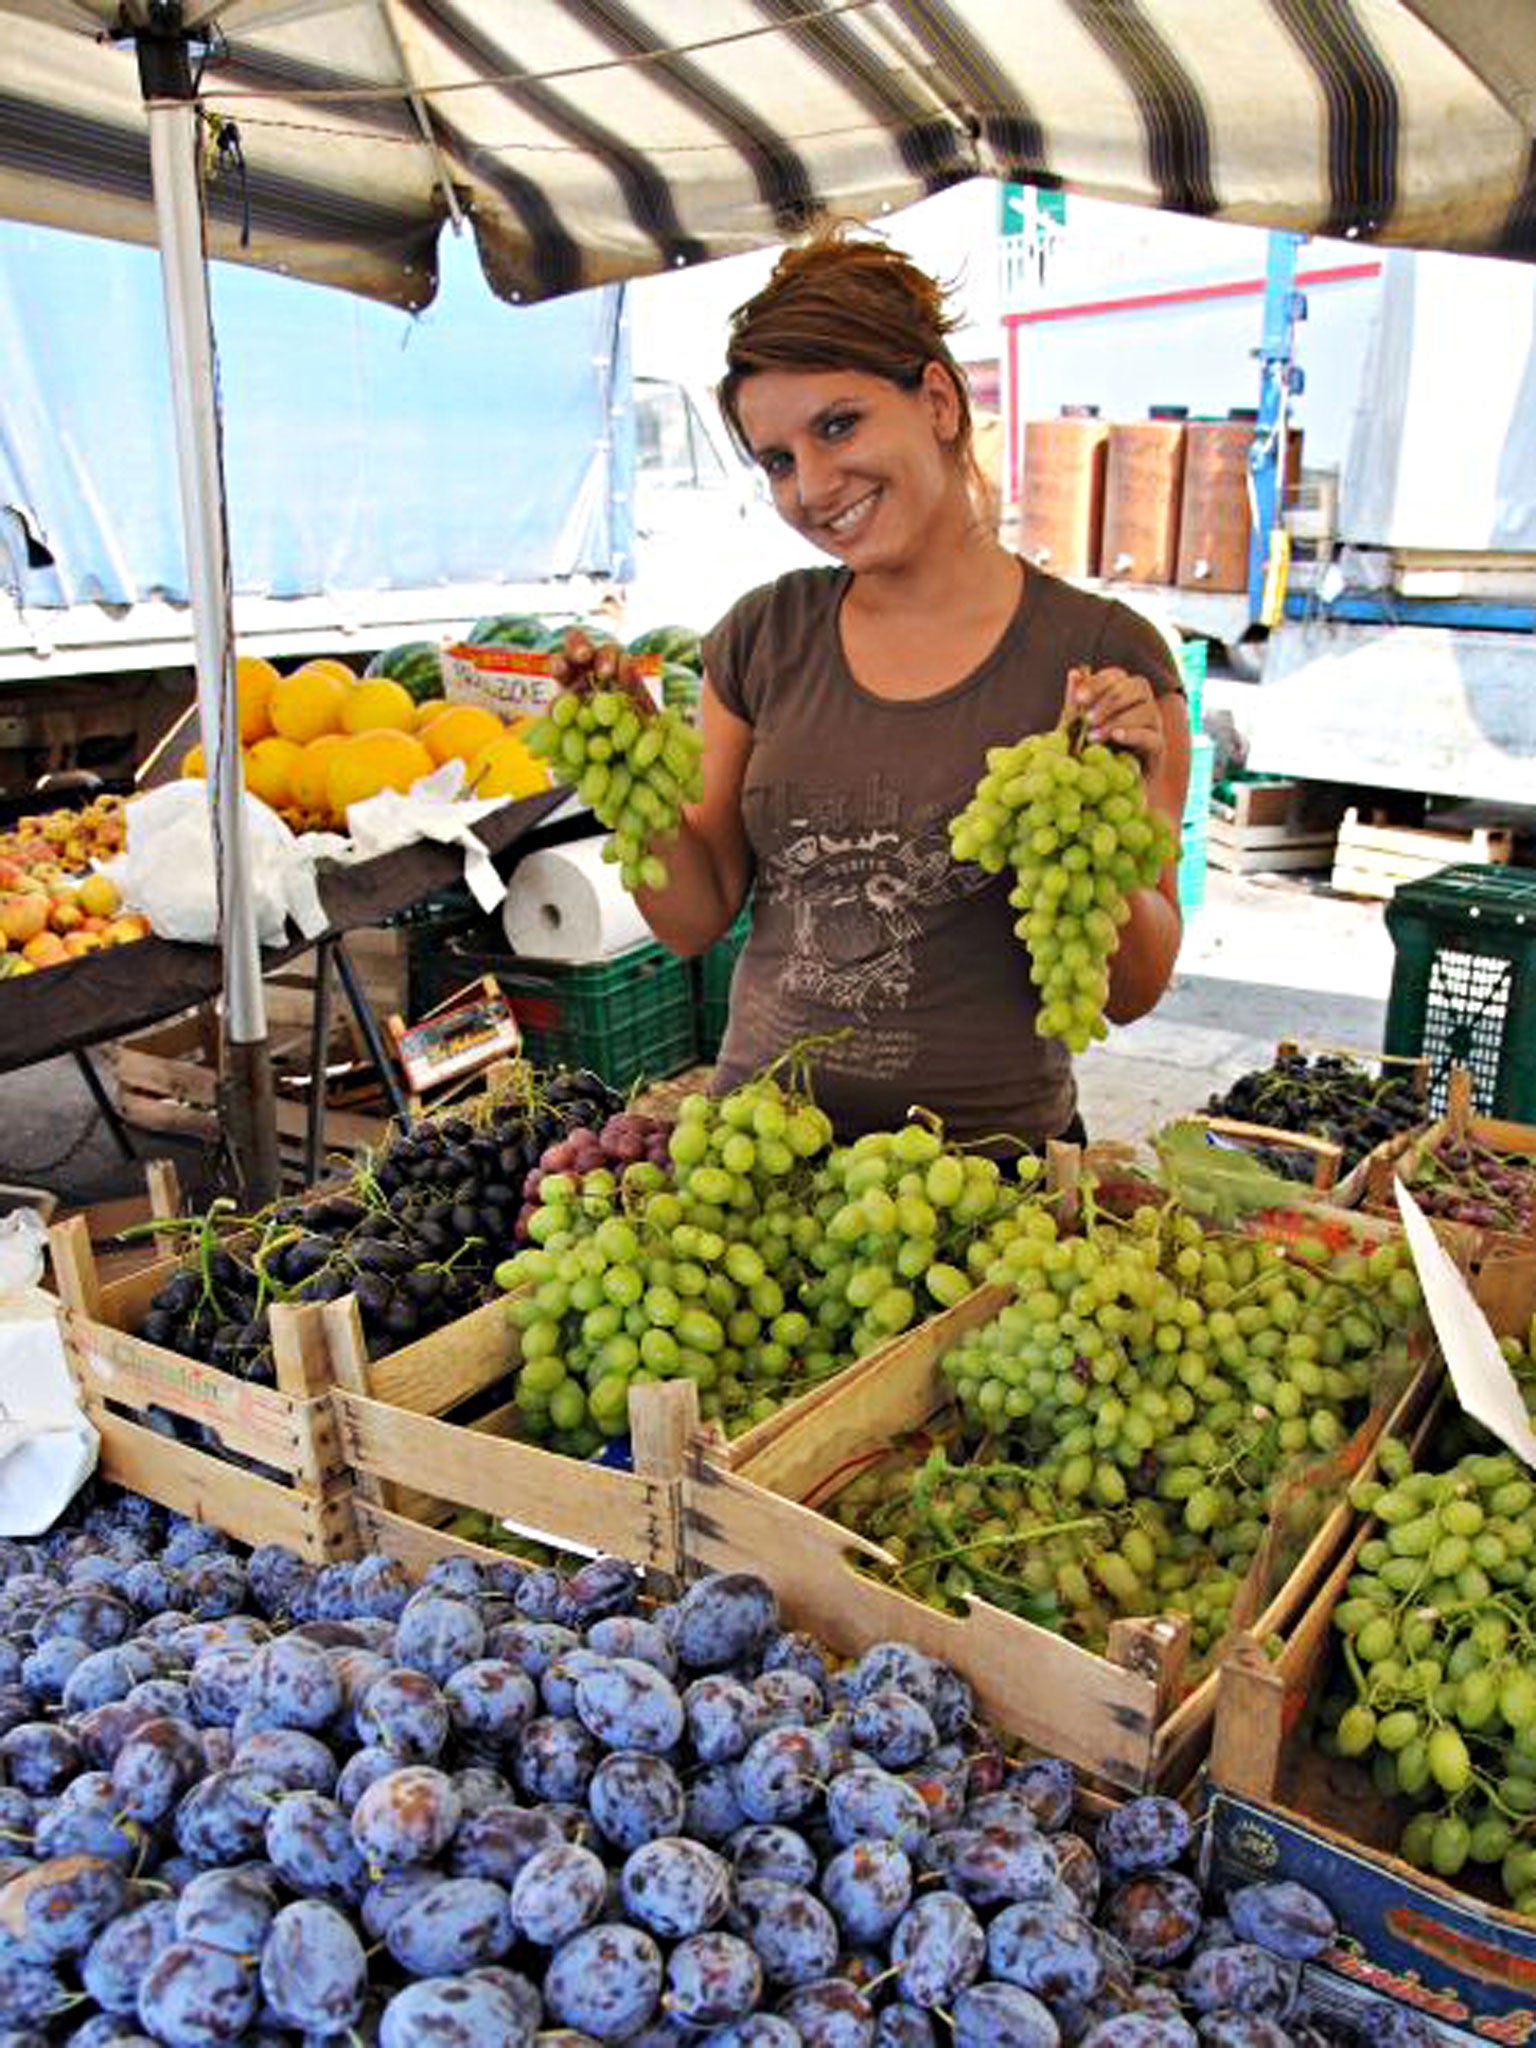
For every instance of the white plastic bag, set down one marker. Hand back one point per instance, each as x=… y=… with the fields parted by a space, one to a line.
x=435 y=809
x=48 y=1448
x=23 y=1236
x=168 y=871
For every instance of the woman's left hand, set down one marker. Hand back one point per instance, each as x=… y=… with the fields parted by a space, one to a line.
x=1120 y=710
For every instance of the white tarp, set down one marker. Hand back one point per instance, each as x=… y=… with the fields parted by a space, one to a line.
x=1443 y=454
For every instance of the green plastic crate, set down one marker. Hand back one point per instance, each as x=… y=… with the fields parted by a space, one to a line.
x=1193 y=657
x=1193 y=848
x=1202 y=761
x=627 y=1018
x=712 y=984
x=1464 y=983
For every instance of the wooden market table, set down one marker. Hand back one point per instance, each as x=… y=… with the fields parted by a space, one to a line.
x=106 y=995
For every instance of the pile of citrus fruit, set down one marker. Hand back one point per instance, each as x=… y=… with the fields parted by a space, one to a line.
x=321 y=739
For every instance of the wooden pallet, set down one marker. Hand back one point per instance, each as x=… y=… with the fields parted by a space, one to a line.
x=1373 y=860
x=1125 y=1717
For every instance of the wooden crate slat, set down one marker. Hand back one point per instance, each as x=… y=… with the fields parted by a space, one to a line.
x=588 y=1505
x=419 y=1504
x=417 y=1544
x=438 y=1371
x=243 y=1504
x=298 y=1436
x=837 y=1431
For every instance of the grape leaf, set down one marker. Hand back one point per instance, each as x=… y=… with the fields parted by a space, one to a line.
x=1219 y=1180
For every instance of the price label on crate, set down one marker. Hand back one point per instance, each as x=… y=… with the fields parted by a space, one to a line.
x=458 y=1040
x=516 y=682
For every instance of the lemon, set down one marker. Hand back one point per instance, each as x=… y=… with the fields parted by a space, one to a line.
x=255 y=680
x=192 y=763
x=308 y=703
x=367 y=762
x=377 y=705
x=269 y=770
x=460 y=732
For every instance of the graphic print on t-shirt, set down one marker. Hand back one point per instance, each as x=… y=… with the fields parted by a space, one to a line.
x=860 y=881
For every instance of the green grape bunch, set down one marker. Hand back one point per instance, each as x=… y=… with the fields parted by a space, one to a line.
x=1436 y=1631
x=1074 y=824
x=758 y=1262
x=1166 y=1380
x=634 y=765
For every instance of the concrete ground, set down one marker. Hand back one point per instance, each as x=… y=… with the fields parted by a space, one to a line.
x=1265 y=958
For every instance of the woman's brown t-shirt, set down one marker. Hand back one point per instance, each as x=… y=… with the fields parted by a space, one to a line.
x=859 y=915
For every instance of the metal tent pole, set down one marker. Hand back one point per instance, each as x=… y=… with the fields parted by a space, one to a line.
x=165 y=77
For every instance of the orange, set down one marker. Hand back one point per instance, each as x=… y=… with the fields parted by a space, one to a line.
x=192 y=763
x=430 y=708
x=459 y=733
x=309 y=776
x=506 y=768
x=255 y=680
x=308 y=703
x=367 y=762
x=269 y=769
x=378 y=704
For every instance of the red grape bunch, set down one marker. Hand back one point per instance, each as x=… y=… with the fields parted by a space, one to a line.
x=626 y=1139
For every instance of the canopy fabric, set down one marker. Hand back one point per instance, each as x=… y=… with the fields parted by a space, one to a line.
x=586 y=141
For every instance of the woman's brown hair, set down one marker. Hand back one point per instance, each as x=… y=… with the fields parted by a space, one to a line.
x=844 y=301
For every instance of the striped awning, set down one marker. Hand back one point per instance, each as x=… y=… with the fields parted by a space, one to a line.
x=589 y=140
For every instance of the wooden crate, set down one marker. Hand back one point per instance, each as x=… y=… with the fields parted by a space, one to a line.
x=115 y=1253
x=1371 y=860
x=168 y=1080
x=460 y=1368
x=290 y=1429
x=391 y=1419
x=1407 y=1161
x=1125 y=1717
x=381 y=960
x=1264 y=830
x=1281 y=1802
x=1345 y=1190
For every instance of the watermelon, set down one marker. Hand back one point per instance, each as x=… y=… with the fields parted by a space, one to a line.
x=678 y=644
x=511 y=629
x=680 y=688
x=416 y=665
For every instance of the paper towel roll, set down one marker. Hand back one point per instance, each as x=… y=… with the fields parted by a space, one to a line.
x=566 y=903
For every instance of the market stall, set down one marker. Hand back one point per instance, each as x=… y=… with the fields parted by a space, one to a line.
x=949 y=1515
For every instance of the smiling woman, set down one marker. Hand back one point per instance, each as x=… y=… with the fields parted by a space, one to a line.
x=848 y=712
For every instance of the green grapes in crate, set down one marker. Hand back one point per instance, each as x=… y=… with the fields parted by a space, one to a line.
x=1074 y=824
x=765 y=1260
x=1159 y=1392
x=1437 y=1634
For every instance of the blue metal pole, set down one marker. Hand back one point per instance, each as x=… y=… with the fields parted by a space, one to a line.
x=1280 y=379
